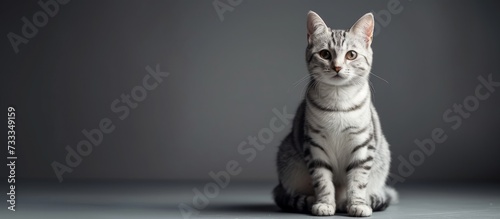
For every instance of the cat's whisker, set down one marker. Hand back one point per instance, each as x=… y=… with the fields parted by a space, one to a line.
x=379 y=77
x=372 y=88
x=296 y=83
x=299 y=82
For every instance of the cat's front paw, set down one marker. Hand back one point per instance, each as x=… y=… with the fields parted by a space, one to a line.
x=359 y=210
x=323 y=209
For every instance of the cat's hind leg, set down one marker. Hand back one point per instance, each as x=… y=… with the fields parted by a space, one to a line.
x=292 y=202
x=294 y=192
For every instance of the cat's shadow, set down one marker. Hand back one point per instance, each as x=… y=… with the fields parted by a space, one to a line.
x=254 y=208
x=243 y=208
x=263 y=209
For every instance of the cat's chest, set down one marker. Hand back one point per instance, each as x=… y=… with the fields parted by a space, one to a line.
x=335 y=136
x=338 y=146
x=334 y=124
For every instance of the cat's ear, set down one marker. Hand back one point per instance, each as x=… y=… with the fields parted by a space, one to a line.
x=364 y=28
x=314 y=23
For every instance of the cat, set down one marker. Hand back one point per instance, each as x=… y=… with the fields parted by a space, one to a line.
x=336 y=157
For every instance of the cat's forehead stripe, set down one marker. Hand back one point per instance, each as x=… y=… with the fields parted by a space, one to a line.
x=338 y=37
x=343 y=38
x=333 y=37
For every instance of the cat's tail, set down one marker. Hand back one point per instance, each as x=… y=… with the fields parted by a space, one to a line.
x=385 y=198
x=392 y=195
x=293 y=203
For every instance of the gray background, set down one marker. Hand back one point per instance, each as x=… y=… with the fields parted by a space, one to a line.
x=226 y=77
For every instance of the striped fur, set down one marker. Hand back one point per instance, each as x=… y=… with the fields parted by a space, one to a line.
x=336 y=157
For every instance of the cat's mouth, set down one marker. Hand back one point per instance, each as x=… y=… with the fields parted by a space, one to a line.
x=337 y=76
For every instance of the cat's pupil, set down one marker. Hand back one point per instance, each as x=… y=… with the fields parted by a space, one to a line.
x=325 y=54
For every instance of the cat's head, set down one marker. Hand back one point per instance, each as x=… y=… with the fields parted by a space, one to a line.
x=339 y=57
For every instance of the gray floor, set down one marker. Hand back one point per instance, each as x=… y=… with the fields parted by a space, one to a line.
x=238 y=200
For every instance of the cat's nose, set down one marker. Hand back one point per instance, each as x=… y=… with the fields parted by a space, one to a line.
x=337 y=69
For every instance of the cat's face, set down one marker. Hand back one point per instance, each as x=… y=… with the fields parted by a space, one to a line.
x=339 y=57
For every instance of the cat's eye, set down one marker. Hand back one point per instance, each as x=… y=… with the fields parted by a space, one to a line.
x=325 y=54
x=351 y=54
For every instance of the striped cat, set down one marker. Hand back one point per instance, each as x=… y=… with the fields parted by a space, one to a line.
x=336 y=157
